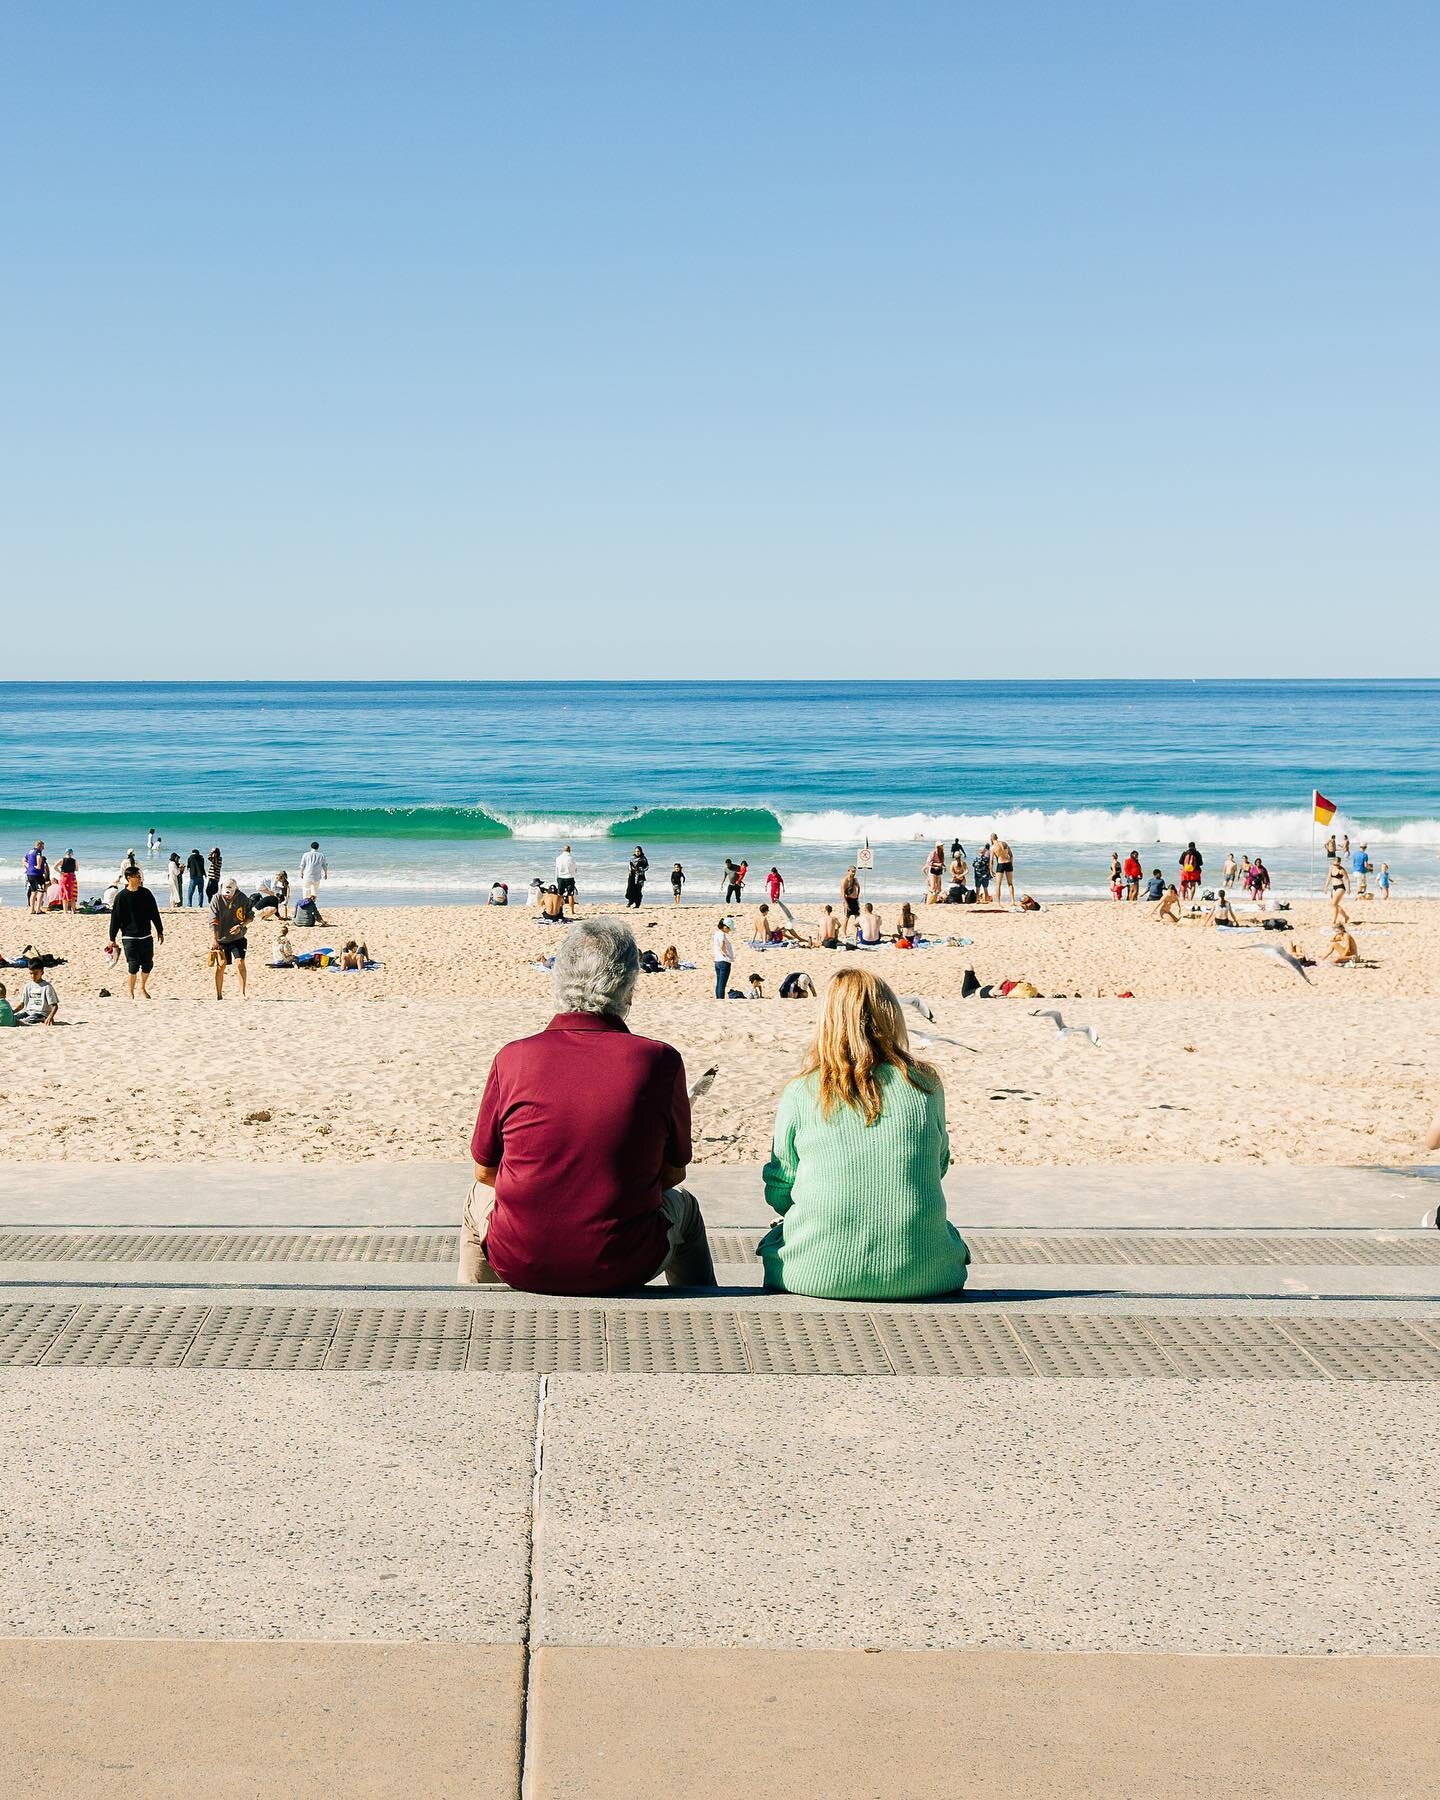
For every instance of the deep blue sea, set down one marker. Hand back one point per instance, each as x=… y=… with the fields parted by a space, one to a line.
x=429 y=791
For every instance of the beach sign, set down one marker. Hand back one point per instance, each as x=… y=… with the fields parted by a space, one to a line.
x=865 y=856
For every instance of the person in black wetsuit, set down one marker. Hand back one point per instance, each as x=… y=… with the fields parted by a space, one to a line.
x=135 y=920
x=635 y=884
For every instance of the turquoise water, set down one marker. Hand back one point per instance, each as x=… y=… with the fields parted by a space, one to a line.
x=428 y=791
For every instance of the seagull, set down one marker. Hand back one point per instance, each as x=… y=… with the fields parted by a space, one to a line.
x=1085 y=1031
x=704 y=1084
x=916 y=1004
x=1276 y=954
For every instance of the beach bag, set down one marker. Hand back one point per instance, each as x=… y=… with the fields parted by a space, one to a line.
x=307 y=913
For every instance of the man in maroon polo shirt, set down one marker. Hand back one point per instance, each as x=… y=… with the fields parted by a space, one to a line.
x=582 y=1141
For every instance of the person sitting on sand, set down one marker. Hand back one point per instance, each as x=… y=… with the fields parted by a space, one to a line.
x=284 y=950
x=1169 y=907
x=552 y=905
x=353 y=955
x=797 y=985
x=763 y=929
x=829 y=930
x=869 y=925
x=7 y=1012
x=39 y=1003
x=581 y=1144
x=855 y=1168
x=499 y=893
x=669 y=957
x=1221 y=913
x=909 y=926
x=1343 y=948
x=756 y=989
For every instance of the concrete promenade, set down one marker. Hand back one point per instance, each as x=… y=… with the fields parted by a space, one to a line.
x=1149 y=1512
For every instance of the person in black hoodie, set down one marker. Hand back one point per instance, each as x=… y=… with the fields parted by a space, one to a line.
x=135 y=920
x=195 y=879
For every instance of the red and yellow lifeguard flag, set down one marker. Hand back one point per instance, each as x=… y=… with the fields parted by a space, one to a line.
x=1324 y=809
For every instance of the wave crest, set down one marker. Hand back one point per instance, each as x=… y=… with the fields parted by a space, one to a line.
x=1268 y=829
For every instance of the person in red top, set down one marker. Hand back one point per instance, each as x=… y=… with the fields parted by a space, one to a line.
x=581 y=1144
x=1133 y=872
x=774 y=884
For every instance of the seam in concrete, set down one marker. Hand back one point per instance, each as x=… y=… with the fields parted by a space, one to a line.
x=524 y=1766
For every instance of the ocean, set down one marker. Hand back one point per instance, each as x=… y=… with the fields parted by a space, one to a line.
x=429 y=791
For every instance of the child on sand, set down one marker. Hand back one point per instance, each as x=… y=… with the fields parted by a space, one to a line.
x=1382 y=882
x=677 y=881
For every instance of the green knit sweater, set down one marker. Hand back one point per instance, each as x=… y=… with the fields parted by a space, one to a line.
x=862 y=1213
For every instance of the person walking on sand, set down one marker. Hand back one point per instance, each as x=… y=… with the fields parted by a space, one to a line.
x=135 y=921
x=229 y=916
x=212 y=873
x=37 y=876
x=1192 y=866
x=1337 y=886
x=774 y=884
x=1002 y=860
x=313 y=870
x=567 y=877
x=175 y=870
x=1361 y=866
x=850 y=898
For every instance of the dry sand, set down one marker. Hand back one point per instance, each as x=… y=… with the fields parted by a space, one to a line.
x=1222 y=1056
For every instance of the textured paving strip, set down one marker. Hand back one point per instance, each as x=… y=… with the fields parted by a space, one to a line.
x=987 y=1725
x=680 y=1337
x=180 y=1719
x=436 y=1246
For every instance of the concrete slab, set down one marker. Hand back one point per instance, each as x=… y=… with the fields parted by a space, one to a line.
x=180 y=1719
x=428 y=1193
x=731 y=1724
x=214 y=1505
x=1275 y=1516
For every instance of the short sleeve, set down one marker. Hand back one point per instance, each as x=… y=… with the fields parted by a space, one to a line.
x=678 y=1147
x=487 y=1143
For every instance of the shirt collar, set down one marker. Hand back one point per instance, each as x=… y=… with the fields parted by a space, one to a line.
x=586 y=1021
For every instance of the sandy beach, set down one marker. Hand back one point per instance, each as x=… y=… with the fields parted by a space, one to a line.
x=1222 y=1055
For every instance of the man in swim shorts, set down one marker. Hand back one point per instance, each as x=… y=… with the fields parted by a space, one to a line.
x=1002 y=864
x=37 y=876
x=135 y=921
x=229 y=915
x=567 y=872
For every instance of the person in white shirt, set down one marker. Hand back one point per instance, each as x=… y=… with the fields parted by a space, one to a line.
x=566 y=872
x=724 y=953
x=313 y=870
x=39 y=1002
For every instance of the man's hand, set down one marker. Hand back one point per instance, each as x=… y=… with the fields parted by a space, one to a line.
x=671 y=1176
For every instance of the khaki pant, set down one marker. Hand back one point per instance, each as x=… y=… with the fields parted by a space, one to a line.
x=686 y=1262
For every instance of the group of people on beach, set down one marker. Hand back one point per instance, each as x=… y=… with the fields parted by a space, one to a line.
x=583 y=1138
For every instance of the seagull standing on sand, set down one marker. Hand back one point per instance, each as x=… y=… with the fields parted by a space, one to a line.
x=1065 y=1031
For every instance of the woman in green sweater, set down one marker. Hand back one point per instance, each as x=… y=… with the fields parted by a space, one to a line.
x=860 y=1146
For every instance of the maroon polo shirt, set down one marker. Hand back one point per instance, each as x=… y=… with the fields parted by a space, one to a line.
x=579 y=1120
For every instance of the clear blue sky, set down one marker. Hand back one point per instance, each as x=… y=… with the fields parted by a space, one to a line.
x=889 y=339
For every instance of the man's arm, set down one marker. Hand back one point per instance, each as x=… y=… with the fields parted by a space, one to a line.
x=485 y=1174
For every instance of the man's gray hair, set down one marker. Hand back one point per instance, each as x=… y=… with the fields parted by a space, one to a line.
x=596 y=968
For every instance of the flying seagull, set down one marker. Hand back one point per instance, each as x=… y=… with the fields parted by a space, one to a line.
x=1276 y=954
x=1065 y=1031
x=916 y=1004
x=704 y=1084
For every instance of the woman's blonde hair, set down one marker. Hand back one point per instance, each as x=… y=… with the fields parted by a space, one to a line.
x=861 y=1027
